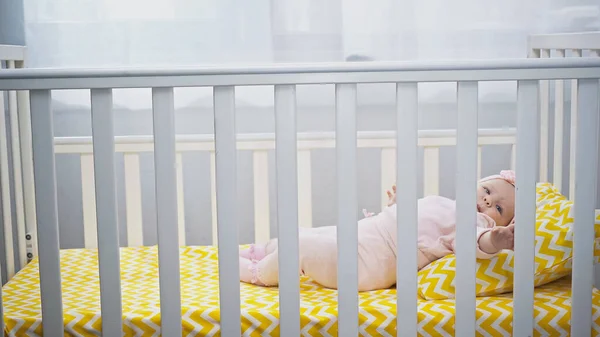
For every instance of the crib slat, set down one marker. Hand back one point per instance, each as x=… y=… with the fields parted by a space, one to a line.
x=180 y=200
x=347 y=232
x=133 y=200
x=213 y=197
x=47 y=214
x=584 y=204
x=1 y=305
x=6 y=198
x=262 y=222
x=166 y=210
x=527 y=144
x=388 y=172
x=226 y=191
x=479 y=151
x=304 y=189
x=27 y=163
x=513 y=157
x=17 y=180
x=106 y=201
x=544 y=118
x=466 y=198
x=431 y=178
x=407 y=107
x=559 y=99
x=573 y=140
x=287 y=203
x=88 y=199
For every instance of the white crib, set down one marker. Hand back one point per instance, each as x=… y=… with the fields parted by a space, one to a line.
x=36 y=203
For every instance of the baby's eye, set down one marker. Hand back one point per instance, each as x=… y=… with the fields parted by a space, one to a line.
x=486 y=190
x=499 y=209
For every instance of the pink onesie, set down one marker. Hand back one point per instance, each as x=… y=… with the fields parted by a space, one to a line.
x=376 y=247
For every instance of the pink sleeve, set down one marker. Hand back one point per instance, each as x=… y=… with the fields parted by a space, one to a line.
x=447 y=243
x=484 y=225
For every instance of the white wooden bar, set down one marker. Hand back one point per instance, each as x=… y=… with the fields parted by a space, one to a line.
x=90 y=227
x=106 y=201
x=479 y=157
x=17 y=179
x=559 y=101
x=1 y=306
x=316 y=73
x=227 y=227
x=47 y=213
x=262 y=221
x=347 y=232
x=513 y=157
x=566 y=40
x=133 y=200
x=287 y=202
x=527 y=144
x=407 y=107
x=388 y=172
x=584 y=204
x=12 y=52
x=543 y=126
x=466 y=199
x=431 y=176
x=213 y=198
x=306 y=141
x=534 y=52
x=166 y=210
x=573 y=141
x=27 y=163
x=6 y=197
x=180 y=201
x=304 y=189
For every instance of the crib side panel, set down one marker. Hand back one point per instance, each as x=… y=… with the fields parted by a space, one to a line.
x=106 y=204
x=347 y=230
x=287 y=206
x=47 y=212
x=227 y=226
x=528 y=110
x=466 y=197
x=166 y=210
x=584 y=206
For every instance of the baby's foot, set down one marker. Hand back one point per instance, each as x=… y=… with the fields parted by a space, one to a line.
x=254 y=252
x=248 y=272
x=367 y=214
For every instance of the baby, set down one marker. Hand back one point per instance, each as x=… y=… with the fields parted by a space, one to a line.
x=377 y=239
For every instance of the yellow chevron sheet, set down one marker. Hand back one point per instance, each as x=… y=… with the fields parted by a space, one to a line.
x=200 y=302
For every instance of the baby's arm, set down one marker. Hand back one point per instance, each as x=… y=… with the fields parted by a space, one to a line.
x=492 y=241
x=392 y=196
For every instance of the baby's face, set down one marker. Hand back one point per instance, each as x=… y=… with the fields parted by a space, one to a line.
x=496 y=199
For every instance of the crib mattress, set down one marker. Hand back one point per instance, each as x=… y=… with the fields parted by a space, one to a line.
x=260 y=310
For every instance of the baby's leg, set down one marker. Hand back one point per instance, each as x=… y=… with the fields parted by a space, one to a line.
x=318 y=260
x=264 y=272
x=258 y=251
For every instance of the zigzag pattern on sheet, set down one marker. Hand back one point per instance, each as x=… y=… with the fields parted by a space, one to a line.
x=260 y=309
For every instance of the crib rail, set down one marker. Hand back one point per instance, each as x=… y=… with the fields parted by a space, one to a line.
x=345 y=77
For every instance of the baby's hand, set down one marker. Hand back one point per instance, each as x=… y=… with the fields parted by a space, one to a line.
x=503 y=237
x=392 y=196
